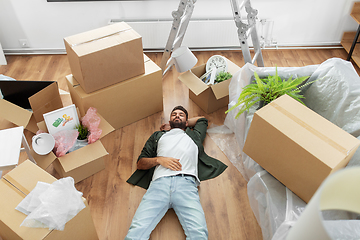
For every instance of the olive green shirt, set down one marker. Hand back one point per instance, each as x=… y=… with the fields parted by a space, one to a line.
x=208 y=167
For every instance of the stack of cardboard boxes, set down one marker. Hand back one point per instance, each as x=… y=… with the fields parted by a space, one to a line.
x=111 y=73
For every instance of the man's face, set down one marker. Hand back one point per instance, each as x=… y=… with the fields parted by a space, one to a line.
x=178 y=119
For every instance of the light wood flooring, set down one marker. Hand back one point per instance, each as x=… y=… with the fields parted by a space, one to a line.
x=113 y=202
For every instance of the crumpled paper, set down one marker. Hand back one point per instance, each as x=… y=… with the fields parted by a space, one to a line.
x=51 y=205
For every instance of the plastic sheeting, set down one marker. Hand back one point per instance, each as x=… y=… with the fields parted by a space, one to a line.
x=51 y=205
x=335 y=96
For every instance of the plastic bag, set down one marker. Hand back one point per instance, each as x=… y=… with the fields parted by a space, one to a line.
x=92 y=122
x=52 y=206
x=64 y=141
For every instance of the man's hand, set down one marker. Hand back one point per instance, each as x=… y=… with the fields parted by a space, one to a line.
x=170 y=163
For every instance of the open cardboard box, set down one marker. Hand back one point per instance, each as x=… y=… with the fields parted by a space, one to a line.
x=81 y=163
x=46 y=100
x=208 y=97
x=105 y=56
x=14 y=186
x=126 y=102
x=297 y=146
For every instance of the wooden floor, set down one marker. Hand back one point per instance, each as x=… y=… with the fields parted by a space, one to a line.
x=113 y=202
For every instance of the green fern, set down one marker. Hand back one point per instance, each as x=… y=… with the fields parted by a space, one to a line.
x=222 y=76
x=267 y=90
x=83 y=131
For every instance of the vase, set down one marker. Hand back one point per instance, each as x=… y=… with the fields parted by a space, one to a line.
x=262 y=103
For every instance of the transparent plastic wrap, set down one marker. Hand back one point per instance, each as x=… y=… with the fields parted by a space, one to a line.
x=336 y=96
x=51 y=205
x=64 y=141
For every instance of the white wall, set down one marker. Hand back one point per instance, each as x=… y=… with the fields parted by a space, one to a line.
x=290 y=22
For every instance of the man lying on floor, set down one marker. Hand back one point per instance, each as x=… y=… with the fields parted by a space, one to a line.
x=171 y=166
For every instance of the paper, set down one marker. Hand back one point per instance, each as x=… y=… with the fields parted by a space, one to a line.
x=340 y=191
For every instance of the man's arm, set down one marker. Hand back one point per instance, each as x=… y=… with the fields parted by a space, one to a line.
x=168 y=162
x=192 y=121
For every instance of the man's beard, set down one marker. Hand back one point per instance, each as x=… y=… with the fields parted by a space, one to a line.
x=178 y=124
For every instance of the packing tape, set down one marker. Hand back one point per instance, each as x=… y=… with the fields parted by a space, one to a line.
x=102 y=37
x=339 y=191
x=311 y=129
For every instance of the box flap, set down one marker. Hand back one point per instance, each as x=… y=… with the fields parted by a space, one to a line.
x=232 y=67
x=83 y=155
x=222 y=89
x=26 y=175
x=46 y=100
x=97 y=34
x=104 y=126
x=193 y=82
x=14 y=113
x=43 y=161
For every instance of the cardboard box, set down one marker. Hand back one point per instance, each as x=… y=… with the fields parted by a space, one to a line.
x=208 y=98
x=105 y=56
x=81 y=163
x=297 y=146
x=46 y=100
x=126 y=102
x=15 y=185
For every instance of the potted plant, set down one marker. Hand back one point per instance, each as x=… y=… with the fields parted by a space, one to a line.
x=83 y=132
x=222 y=76
x=265 y=90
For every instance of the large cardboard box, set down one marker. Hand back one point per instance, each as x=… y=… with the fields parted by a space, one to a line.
x=46 y=100
x=14 y=186
x=105 y=56
x=126 y=102
x=298 y=146
x=81 y=163
x=208 y=98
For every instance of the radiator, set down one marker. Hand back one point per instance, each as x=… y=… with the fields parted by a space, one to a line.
x=199 y=34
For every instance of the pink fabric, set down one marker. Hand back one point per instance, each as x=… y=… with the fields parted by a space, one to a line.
x=64 y=141
x=92 y=121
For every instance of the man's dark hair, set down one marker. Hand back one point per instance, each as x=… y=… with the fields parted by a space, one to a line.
x=182 y=109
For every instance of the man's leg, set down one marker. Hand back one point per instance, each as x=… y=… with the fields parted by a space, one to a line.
x=151 y=210
x=186 y=203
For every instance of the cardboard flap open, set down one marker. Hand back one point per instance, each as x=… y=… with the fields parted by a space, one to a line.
x=105 y=126
x=83 y=155
x=14 y=113
x=221 y=89
x=43 y=161
x=26 y=175
x=232 y=67
x=46 y=100
x=193 y=82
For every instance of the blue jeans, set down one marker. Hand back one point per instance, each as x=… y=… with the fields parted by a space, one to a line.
x=177 y=192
